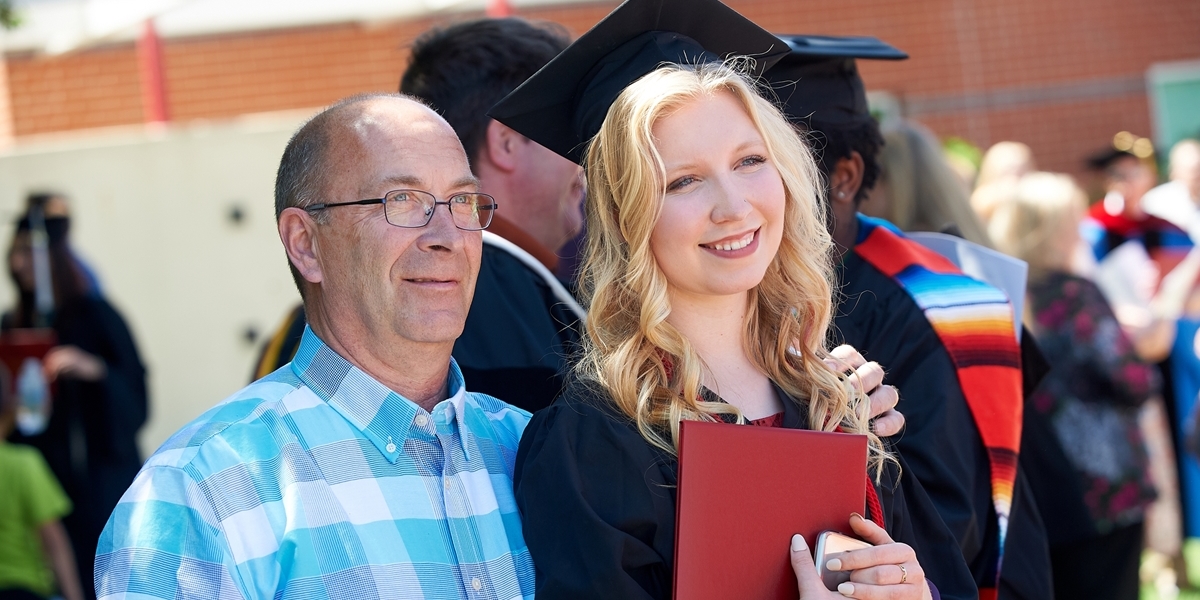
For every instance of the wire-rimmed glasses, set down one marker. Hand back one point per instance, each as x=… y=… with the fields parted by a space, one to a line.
x=470 y=211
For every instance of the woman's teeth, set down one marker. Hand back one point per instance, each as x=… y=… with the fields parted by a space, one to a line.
x=734 y=245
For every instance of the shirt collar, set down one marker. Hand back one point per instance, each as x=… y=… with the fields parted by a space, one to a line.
x=384 y=417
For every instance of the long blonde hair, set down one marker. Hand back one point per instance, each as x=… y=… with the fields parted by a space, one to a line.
x=648 y=368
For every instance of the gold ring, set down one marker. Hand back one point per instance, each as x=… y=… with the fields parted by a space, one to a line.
x=903 y=574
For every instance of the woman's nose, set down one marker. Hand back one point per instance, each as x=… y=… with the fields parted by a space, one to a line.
x=732 y=204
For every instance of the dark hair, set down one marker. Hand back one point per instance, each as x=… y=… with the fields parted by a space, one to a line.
x=40 y=199
x=66 y=277
x=464 y=69
x=835 y=142
x=301 y=178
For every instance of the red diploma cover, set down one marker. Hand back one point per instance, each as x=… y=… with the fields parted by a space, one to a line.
x=743 y=492
x=16 y=345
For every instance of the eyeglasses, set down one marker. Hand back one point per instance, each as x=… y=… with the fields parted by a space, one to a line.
x=471 y=211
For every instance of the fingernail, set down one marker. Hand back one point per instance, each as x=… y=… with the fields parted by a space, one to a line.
x=834 y=564
x=846 y=589
x=852 y=515
x=798 y=543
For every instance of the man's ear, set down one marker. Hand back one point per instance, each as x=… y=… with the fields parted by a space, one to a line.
x=297 y=231
x=502 y=146
x=846 y=178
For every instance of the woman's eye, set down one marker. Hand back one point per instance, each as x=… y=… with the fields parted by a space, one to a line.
x=751 y=161
x=680 y=183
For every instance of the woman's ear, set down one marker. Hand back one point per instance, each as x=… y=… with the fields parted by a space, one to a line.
x=297 y=231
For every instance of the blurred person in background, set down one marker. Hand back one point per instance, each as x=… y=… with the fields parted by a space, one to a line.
x=35 y=552
x=99 y=399
x=1003 y=162
x=54 y=205
x=1093 y=488
x=917 y=189
x=1127 y=172
x=1178 y=200
x=963 y=412
x=516 y=344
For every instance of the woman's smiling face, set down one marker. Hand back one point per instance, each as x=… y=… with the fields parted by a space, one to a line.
x=722 y=215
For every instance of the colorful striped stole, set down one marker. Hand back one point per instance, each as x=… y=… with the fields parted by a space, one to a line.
x=974 y=321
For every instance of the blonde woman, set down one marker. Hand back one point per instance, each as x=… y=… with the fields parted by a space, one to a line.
x=707 y=273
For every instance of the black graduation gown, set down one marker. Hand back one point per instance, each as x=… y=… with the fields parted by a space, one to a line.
x=90 y=441
x=597 y=505
x=518 y=336
x=941 y=442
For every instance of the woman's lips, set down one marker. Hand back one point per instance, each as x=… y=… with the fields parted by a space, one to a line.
x=734 y=247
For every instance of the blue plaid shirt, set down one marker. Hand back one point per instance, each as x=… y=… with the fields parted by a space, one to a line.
x=319 y=482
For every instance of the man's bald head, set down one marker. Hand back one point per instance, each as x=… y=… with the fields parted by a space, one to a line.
x=332 y=138
x=304 y=169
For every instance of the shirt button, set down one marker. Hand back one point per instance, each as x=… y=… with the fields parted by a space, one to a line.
x=421 y=420
x=476 y=584
x=390 y=447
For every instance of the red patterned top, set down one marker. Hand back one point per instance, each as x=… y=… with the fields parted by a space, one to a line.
x=775 y=420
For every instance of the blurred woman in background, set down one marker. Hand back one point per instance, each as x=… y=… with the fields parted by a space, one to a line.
x=1093 y=487
x=98 y=383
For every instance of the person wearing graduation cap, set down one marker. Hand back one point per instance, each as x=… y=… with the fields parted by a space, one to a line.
x=947 y=339
x=708 y=284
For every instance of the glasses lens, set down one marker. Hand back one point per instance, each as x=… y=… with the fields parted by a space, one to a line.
x=472 y=211
x=408 y=208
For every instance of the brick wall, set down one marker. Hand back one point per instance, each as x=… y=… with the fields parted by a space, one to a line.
x=1060 y=75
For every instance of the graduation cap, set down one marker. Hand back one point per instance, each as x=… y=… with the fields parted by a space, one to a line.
x=818 y=79
x=563 y=105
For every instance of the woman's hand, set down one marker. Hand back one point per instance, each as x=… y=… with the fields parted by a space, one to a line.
x=73 y=363
x=886 y=571
x=868 y=376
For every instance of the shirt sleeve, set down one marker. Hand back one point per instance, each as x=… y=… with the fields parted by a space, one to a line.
x=162 y=541
x=46 y=499
x=597 y=509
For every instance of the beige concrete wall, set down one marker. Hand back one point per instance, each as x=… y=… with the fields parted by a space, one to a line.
x=151 y=216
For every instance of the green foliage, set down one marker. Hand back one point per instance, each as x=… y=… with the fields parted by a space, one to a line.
x=963 y=149
x=8 y=15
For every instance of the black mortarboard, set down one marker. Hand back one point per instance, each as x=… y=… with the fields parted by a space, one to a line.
x=562 y=105
x=819 y=80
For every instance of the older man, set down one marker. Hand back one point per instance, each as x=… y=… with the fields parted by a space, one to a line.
x=516 y=343
x=365 y=470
